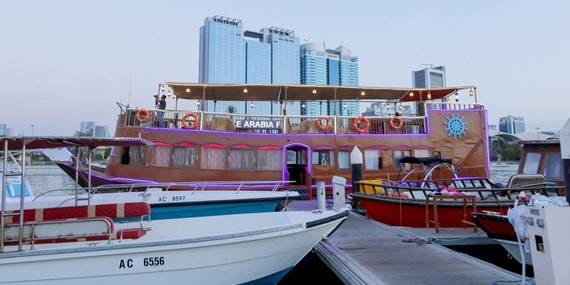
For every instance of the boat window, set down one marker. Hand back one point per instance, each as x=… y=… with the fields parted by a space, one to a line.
x=184 y=156
x=398 y=154
x=269 y=159
x=343 y=159
x=323 y=157
x=373 y=159
x=242 y=158
x=161 y=156
x=136 y=155
x=298 y=157
x=213 y=158
x=553 y=169
x=421 y=153
x=531 y=163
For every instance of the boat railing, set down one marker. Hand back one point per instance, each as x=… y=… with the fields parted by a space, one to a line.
x=483 y=188
x=58 y=231
x=289 y=124
x=236 y=186
x=453 y=106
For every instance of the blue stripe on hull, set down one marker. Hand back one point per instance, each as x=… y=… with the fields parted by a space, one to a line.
x=270 y=279
x=186 y=211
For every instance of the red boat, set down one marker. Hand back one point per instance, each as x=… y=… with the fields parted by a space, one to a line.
x=403 y=202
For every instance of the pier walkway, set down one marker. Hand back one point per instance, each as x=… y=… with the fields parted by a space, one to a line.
x=364 y=251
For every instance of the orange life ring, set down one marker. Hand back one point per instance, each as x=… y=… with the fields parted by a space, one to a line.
x=320 y=123
x=185 y=124
x=400 y=123
x=143 y=115
x=366 y=124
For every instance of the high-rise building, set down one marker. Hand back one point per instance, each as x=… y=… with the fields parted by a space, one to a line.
x=429 y=77
x=87 y=128
x=511 y=124
x=5 y=131
x=322 y=66
x=230 y=55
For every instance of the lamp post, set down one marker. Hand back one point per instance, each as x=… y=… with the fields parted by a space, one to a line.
x=537 y=133
x=32 y=129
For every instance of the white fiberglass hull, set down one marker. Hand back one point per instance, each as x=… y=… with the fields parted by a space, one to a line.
x=230 y=249
x=513 y=249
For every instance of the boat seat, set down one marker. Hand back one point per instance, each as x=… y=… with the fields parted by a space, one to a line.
x=521 y=179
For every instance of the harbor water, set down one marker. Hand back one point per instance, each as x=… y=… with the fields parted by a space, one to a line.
x=51 y=179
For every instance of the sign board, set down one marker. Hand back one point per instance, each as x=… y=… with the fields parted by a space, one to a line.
x=258 y=124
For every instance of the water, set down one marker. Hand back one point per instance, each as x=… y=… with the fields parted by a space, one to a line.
x=500 y=173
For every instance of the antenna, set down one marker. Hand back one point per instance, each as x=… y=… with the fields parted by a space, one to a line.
x=428 y=64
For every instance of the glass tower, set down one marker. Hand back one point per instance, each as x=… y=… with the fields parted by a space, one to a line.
x=230 y=55
x=512 y=124
x=321 y=66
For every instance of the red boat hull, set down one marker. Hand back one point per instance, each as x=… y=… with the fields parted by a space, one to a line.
x=412 y=213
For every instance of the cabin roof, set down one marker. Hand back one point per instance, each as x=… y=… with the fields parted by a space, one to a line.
x=424 y=160
x=17 y=143
x=290 y=92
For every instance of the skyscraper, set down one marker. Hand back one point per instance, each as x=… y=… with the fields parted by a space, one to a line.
x=512 y=124
x=230 y=55
x=429 y=77
x=322 y=66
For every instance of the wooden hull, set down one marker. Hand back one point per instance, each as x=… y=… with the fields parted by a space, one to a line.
x=429 y=137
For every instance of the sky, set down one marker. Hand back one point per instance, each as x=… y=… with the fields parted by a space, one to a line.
x=67 y=61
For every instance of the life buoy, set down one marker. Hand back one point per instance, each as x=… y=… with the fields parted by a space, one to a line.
x=185 y=123
x=357 y=120
x=325 y=126
x=393 y=125
x=143 y=115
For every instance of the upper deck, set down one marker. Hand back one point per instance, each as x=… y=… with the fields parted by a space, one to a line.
x=290 y=124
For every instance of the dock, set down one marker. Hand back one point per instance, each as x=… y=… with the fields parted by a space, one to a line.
x=364 y=251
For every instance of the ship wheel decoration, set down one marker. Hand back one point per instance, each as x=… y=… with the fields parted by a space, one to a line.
x=455 y=126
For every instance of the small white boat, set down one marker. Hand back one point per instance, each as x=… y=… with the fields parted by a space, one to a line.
x=228 y=249
x=227 y=198
x=173 y=204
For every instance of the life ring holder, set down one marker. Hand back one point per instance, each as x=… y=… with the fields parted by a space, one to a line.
x=357 y=120
x=185 y=124
x=143 y=115
x=398 y=125
x=320 y=123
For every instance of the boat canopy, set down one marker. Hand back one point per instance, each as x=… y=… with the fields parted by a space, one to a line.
x=289 y=92
x=425 y=160
x=17 y=143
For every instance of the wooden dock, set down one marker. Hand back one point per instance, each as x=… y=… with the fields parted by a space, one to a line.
x=364 y=251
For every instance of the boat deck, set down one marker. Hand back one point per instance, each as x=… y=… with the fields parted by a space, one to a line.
x=363 y=251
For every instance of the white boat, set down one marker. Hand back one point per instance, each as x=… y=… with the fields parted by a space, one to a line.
x=86 y=244
x=228 y=249
x=166 y=199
